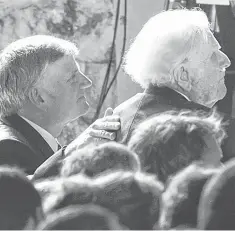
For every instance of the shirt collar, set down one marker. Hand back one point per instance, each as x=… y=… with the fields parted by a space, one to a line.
x=166 y=91
x=51 y=141
x=183 y=95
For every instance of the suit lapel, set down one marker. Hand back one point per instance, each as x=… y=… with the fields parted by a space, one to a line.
x=30 y=134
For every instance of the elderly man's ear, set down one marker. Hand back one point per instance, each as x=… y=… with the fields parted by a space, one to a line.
x=182 y=78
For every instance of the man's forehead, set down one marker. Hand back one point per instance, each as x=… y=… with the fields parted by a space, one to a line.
x=75 y=58
x=68 y=63
x=204 y=50
x=212 y=40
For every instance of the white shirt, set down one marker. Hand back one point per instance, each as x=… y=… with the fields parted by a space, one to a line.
x=45 y=135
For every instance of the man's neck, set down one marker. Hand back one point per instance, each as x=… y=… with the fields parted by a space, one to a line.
x=191 y=97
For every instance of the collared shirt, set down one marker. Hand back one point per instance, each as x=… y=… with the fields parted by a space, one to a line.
x=183 y=95
x=45 y=135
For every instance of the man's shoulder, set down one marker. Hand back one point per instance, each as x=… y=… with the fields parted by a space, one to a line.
x=16 y=153
x=134 y=110
x=16 y=150
x=8 y=132
x=51 y=167
x=158 y=101
x=10 y=135
x=128 y=103
x=149 y=103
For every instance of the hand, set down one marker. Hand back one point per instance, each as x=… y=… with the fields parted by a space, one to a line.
x=101 y=131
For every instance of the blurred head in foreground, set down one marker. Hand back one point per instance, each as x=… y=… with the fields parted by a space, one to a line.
x=20 y=202
x=134 y=197
x=92 y=161
x=81 y=217
x=216 y=208
x=172 y=140
x=181 y=198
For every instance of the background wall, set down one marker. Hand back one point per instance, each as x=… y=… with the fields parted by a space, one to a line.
x=138 y=13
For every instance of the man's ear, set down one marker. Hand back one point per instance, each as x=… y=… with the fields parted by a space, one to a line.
x=35 y=97
x=182 y=78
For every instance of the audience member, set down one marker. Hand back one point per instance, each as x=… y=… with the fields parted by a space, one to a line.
x=134 y=197
x=58 y=193
x=100 y=160
x=172 y=140
x=181 y=197
x=178 y=62
x=216 y=208
x=87 y=217
x=49 y=186
x=20 y=202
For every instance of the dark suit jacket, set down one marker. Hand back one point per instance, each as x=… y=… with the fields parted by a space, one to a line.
x=156 y=100
x=21 y=145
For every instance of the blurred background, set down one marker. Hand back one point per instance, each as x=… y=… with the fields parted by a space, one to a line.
x=103 y=30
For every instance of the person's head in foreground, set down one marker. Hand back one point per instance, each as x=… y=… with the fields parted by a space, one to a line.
x=134 y=197
x=92 y=161
x=65 y=191
x=176 y=49
x=20 y=202
x=81 y=217
x=49 y=187
x=216 y=208
x=172 y=140
x=41 y=80
x=181 y=198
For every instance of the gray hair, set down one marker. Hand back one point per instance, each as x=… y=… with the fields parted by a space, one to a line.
x=150 y=59
x=22 y=64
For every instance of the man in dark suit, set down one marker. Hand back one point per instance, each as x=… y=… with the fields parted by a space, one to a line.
x=41 y=89
x=178 y=62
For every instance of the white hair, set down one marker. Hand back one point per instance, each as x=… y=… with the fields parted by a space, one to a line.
x=22 y=64
x=150 y=59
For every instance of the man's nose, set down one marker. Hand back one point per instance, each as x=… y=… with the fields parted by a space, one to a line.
x=86 y=83
x=224 y=61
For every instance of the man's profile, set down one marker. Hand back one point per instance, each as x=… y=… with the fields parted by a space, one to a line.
x=41 y=89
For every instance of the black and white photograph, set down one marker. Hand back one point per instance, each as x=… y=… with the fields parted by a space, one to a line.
x=117 y=114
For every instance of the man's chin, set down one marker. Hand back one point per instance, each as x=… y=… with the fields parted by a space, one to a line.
x=85 y=111
x=220 y=96
x=80 y=113
x=211 y=103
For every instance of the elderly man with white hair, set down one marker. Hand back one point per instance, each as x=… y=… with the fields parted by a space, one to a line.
x=178 y=62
